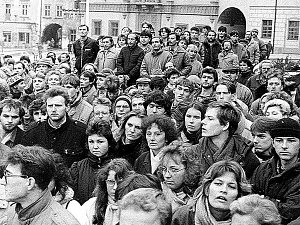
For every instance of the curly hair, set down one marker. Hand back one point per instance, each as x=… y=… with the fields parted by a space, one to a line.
x=53 y=72
x=164 y=123
x=159 y=98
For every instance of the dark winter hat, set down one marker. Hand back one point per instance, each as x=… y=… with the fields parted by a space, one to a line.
x=263 y=124
x=286 y=127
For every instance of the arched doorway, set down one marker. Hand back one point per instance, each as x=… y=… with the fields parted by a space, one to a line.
x=52 y=35
x=233 y=19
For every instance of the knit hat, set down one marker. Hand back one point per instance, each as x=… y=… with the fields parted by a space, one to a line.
x=286 y=127
x=45 y=61
x=143 y=80
x=13 y=80
x=262 y=124
x=124 y=98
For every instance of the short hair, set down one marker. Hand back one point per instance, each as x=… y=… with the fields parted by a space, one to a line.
x=167 y=29
x=66 y=66
x=160 y=39
x=12 y=104
x=226 y=114
x=172 y=71
x=102 y=101
x=35 y=161
x=210 y=70
x=283 y=105
x=71 y=79
x=64 y=53
x=186 y=83
x=164 y=123
x=261 y=209
x=90 y=64
x=222 y=28
x=173 y=33
x=136 y=36
x=247 y=61
x=146 y=33
x=234 y=32
x=276 y=73
x=158 y=83
x=148 y=24
x=231 y=87
x=90 y=75
x=25 y=57
x=220 y=168
x=192 y=47
x=57 y=91
x=37 y=104
x=128 y=28
x=183 y=38
x=160 y=98
x=53 y=72
x=19 y=62
x=227 y=40
x=208 y=28
x=110 y=39
x=195 y=29
x=123 y=37
x=148 y=199
x=84 y=25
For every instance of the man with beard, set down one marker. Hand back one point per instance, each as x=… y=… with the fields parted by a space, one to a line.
x=209 y=50
x=209 y=77
x=227 y=58
x=181 y=58
x=59 y=132
x=252 y=48
x=130 y=59
x=11 y=114
x=262 y=46
x=237 y=47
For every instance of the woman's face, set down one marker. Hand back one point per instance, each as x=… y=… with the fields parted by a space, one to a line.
x=53 y=80
x=111 y=184
x=274 y=112
x=39 y=116
x=100 y=81
x=173 y=173
x=133 y=129
x=192 y=120
x=186 y=35
x=182 y=44
x=89 y=68
x=21 y=86
x=122 y=107
x=223 y=191
x=156 y=138
x=164 y=33
x=121 y=42
x=98 y=145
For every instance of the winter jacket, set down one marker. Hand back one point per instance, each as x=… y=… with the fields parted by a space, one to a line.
x=244 y=94
x=106 y=59
x=282 y=188
x=142 y=164
x=89 y=96
x=240 y=51
x=254 y=52
x=209 y=54
x=228 y=60
x=262 y=48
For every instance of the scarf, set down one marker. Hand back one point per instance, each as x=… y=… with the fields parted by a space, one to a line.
x=111 y=213
x=192 y=137
x=203 y=215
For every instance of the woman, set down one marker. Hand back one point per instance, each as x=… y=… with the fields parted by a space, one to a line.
x=16 y=86
x=90 y=67
x=121 y=42
x=159 y=131
x=223 y=182
x=101 y=144
x=53 y=79
x=183 y=42
x=103 y=209
x=277 y=109
x=180 y=174
x=190 y=130
x=121 y=107
x=129 y=137
x=164 y=34
x=187 y=35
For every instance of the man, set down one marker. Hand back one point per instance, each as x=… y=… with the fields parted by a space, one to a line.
x=210 y=50
x=157 y=103
x=79 y=109
x=222 y=34
x=237 y=47
x=204 y=33
x=262 y=139
x=145 y=206
x=262 y=46
x=208 y=79
x=59 y=132
x=269 y=49
x=39 y=85
x=11 y=114
x=252 y=48
x=143 y=85
x=227 y=58
x=220 y=123
x=183 y=92
x=44 y=65
x=242 y=92
x=87 y=87
x=172 y=76
x=278 y=179
x=145 y=40
x=26 y=179
x=154 y=63
x=196 y=65
x=195 y=32
x=137 y=102
x=245 y=71
x=181 y=59
x=130 y=59
x=85 y=48
x=107 y=57
x=102 y=109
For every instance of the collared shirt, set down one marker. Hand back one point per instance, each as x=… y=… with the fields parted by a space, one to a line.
x=9 y=138
x=59 y=125
x=155 y=160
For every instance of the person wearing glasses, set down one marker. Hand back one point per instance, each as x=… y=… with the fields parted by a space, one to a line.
x=103 y=209
x=26 y=178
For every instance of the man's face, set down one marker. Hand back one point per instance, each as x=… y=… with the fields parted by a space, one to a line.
x=265 y=67
x=56 y=108
x=244 y=67
x=72 y=92
x=100 y=81
x=226 y=46
x=42 y=68
x=131 y=40
x=102 y=112
x=182 y=93
x=262 y=141
x=254 y=34
x=144 y=40
x=133 y=129
x=211 y=126
x=38 y=84
x=106 y=43
x=173 y=79
x=207 y=80
x=132 y=216
x=230 y=75
x=221 y=34
x=274 y=85
x=172 y=40
x=20 y=86
x=85 y=82
x=83 y=31
x=9 y=118
x=154 y=108
x=192 y=53
x=211 y=37
x=178 y=32
x=39 y=116
x=145 y=27
x=137 y=104
x=194 y=34
x=287 y=148
x=234 y=38
x=16 y=187
x=144 y=88
x=222 y=93
x=248 y=35
x=63 y=58
x=156 y=44
x=18 y=67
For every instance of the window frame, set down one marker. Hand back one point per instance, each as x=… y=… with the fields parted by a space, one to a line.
x=266 y=29
x=293 y=32
x=111 y=31
x=47 y=10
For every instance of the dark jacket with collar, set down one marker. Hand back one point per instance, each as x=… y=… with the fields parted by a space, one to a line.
x=209 y=54
x=142 y=164
x=282 y=188
x=69 y=140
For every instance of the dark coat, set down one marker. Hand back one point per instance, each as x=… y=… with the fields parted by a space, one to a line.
x=282 y=188
x=69 y=140
x=209 y=54
x=185 y=215
x=142 y=164
x=18 y=138
x=129 y=63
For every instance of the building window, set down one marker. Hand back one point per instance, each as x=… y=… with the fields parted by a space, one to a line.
x=113 y=28
x=24 y=10
x=59 y=11
x=72 y=35
x=266 y=29
x=24 y=37
x=97 y=27
x=7 y=36
x=8 y=9
x=47 y=10
x=293 y=30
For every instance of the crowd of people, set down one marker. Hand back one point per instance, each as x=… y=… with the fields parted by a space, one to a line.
x=182 y=127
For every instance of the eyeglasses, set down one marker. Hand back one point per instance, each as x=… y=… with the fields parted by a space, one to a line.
x=111 y=183
x=171 y=171
x=7 y=174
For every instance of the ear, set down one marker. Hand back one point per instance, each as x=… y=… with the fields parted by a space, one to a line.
x=226 y=126
x=31 y=183
x=233 y=97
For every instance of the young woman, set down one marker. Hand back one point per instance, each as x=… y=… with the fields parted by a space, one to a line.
x=100 y=144
x=103 y=209
x=223 y=182
x=159 y=131
x=53 y=79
